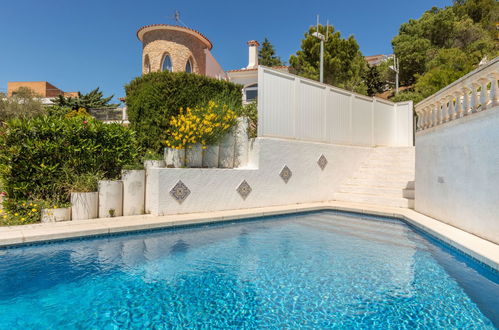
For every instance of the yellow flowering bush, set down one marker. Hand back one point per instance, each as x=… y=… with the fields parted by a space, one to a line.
x=20 y=213
x=205 y=125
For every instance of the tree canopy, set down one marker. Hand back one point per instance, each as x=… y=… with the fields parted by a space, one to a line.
x=446 y=43
x=93 y=100
x=267 y=55
x=344 y=65
x=23 y=104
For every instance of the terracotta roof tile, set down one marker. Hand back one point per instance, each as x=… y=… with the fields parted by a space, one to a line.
x=178 y=27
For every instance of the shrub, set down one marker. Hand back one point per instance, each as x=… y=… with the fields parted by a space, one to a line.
x=154 y=98
x=205 y=125
x=39 y=157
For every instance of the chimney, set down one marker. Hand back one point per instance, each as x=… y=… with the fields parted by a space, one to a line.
x=253 y=54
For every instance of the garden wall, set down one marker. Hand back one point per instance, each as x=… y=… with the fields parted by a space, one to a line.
x=217 y=189
x=457 y=173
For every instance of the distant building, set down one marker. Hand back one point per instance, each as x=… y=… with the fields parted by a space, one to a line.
x=377 y=59
x=43 y=89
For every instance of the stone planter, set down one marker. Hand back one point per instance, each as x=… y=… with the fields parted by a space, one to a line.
x=110 y=199
x=56 y=215
x=134 y=187
x=194 y=156
x=174 y=157
x=226 y=151
x=242 y=143
x=154 y=163
x=210 y=156
x=84 y=205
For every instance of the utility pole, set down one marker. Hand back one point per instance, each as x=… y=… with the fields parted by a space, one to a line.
x=322 y=38
x=396 y=67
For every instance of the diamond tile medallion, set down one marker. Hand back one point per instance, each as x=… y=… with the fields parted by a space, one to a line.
x=180 y=192
x=244 y=189
x=285 y=174
x=322 y=162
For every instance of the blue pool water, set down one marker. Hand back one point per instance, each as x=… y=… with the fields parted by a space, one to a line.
x=313 y=270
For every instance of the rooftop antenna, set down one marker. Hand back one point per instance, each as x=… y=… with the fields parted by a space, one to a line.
x=176 y=16
x=321 y=37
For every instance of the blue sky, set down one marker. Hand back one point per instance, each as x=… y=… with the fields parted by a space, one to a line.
x=79 y=45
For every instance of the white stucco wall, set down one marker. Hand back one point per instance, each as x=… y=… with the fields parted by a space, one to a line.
x=215 y=189
x=457 y=173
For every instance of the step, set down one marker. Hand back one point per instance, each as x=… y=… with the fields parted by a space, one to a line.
x=374 y=200
x=372 y=190
x=393 y=182
x=386 y=171
x=408 y=193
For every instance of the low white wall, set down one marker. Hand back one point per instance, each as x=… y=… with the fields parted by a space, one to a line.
x=457 y=173
x=215 y=189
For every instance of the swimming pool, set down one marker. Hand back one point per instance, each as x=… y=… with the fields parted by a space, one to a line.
x=316 y=270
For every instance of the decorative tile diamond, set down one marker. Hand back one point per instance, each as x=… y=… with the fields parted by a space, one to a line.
x=286 y=173
x=180 y=192
x=244 y=189
x=322 y=162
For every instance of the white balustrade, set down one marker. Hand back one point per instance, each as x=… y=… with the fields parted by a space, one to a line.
x=476 y=91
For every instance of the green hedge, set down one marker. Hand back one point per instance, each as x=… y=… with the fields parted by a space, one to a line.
x=155 y=97
x=38 y=155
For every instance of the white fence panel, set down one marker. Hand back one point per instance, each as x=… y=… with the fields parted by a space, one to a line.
x=311 y=111
x=279 y=98
x=293 y=107
x=384 y=118
x=338 y=117
x=362 y=114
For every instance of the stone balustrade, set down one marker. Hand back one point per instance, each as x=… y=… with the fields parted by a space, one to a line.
x=477 y=91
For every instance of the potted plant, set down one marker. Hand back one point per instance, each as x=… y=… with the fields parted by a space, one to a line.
x=153 y=159
x=84 y=195
x=134 y=185
x=56 y=210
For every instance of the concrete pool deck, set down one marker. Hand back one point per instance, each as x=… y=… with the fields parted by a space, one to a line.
x=478 y=248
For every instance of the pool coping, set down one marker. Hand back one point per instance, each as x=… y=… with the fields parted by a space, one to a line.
x=478 y=248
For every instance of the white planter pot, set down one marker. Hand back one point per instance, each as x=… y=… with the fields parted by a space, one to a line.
x=226 y=151
x=175 y=157
x=56 y=215
x=210 y=156
x=194 y=156
x=84 y=205
x=134 y=187
x=154 y=163
x=110 y=198
x=242 y=143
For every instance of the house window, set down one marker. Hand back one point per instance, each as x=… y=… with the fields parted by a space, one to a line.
x=188 y=66
x=167 y=64
x=251 y=92
x=147 y=65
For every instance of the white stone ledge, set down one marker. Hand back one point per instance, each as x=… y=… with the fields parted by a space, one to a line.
x=476 y=247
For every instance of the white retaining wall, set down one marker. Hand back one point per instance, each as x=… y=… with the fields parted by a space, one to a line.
x=215 y=189
x=292 y=107
x=457 y=173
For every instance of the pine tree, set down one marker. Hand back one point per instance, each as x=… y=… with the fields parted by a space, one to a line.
x=93 y=100
x=344 y=65
x=267 y=55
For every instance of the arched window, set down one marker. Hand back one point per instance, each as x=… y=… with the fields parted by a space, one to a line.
x=188 y=66
x=167 y=64
x=147 y=65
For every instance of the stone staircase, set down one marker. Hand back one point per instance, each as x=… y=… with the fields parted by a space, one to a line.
x=386 y=178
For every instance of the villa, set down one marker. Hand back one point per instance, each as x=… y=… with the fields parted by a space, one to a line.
x=345 y=211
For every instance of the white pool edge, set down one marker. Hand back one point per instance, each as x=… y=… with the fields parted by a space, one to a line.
x=474 y=246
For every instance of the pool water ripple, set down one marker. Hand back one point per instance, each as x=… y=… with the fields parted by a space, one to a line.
x=314 y=270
